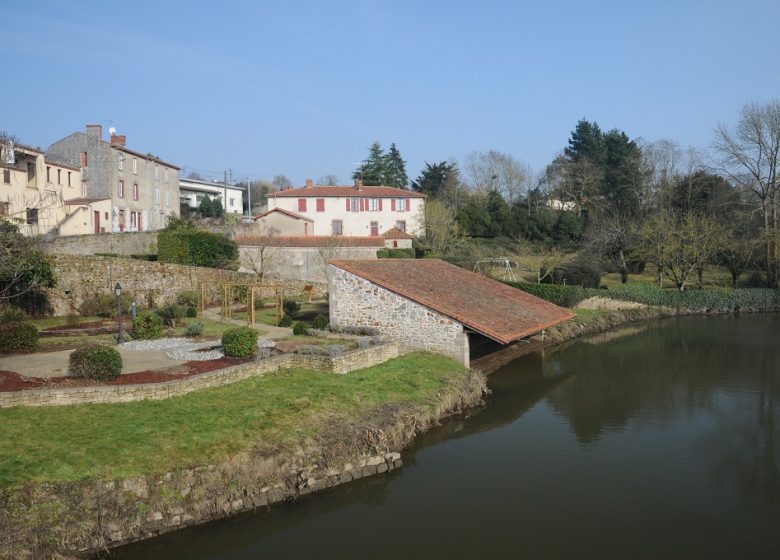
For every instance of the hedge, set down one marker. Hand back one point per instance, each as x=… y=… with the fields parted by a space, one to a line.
x=749 y=299
x=196 y=247
x=395 y=253
x=16 y=336
x=102 y=363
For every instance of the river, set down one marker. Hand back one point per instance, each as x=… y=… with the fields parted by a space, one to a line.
x=655 y=441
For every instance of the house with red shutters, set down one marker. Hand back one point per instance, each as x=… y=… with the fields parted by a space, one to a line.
x=349 y=211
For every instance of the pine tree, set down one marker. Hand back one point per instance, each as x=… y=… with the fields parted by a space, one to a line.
x=218 y=209
x=206 y=207
x=372 y=171
x=395 y=169
x=435 y=178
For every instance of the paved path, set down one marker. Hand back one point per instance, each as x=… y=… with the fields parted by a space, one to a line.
x=273 y=332
x=55 y=364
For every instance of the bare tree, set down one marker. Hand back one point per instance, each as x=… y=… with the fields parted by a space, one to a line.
x=281 y=182
x=750 y=155
x=330 y=180
x=493 y=170
x=539 y=260
x=440 y=233
x=612 y=238
x=260 y=255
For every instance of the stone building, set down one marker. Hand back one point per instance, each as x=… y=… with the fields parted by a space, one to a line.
x=428 y=304
x=143 y=189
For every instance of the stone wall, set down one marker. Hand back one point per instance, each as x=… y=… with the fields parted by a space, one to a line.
x=123 y=244
x=356 y=302
x=301 y=263
x=344 y=363
x=151 y=283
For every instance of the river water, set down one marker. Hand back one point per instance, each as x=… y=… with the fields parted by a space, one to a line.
x=656 y=441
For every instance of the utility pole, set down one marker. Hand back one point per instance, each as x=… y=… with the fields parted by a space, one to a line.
x=224 y=192
x=249 y=196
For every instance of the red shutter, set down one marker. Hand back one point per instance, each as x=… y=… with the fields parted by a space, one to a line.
x=361 y=205
x=367 y=205
x=301 y=205
x=320 y=205
x=380 y=204
x=392 y=204
x=408 y=204
x=348 y=205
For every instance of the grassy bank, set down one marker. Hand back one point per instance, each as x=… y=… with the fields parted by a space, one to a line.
x=273 y=414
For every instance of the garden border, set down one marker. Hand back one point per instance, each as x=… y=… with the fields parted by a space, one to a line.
x=341 y=364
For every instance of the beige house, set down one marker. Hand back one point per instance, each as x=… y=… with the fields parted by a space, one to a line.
x=35 y=192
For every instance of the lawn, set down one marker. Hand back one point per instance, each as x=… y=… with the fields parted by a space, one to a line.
x=306 y=314
x=281 y=411
x=211 y=328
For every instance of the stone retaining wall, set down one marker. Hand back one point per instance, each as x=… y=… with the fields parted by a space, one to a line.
x=127 y=243
x=151 y=283
x=344 y=363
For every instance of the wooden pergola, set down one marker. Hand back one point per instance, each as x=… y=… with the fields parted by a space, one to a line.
x=228 y=290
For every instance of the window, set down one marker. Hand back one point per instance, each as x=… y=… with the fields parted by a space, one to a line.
x=120 y=191
x=157 y=196
x=337 y=227
x=167 y=198
x=121 y=219
x=133 y=221
x=121 y=161
x=83 y=188
x=7 y=176
x=373 y=204
x=32 y=216
x=135 y=191
x=59 y=176
x=301 y=205
x=320 y=205
x=401 y=205
x=355 y=204
x=165 y=174
x=83 y=159
x=4 y=208
x=69 y=183
x=401 y=224
x=135 y=166
x=374 y=228
x=232 y=202
x=48 y=174
x=156 y=172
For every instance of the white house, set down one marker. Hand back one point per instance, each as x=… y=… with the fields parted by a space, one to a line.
x=192 y=191
x=353 y=211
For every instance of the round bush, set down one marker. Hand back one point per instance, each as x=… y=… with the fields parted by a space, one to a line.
x=191 y=312
x=147 y=325
x=16 y=336
x=286 y=321
x=101 y=363
x=240 y=342
x=291 y=307
x=300 y=328
x=194 y=329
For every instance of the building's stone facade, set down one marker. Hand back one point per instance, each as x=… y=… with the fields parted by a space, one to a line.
x=349 y=361
x=356 y=302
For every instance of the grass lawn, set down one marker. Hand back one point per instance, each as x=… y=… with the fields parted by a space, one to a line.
x=307 y=313
x=210 y=327
x=69 y=443
x=47 y=322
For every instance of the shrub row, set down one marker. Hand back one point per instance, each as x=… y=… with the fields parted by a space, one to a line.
x=753 y=299
x=395 y=253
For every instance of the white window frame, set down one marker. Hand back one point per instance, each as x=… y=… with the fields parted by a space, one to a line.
x=333 y=229
x=373 y=204
x=157 y=195
x=400 y=205
x=167 y=198
x=121 y=161
x=355 y=204
x=135 y=166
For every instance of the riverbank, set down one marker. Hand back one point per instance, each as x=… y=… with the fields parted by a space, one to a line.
x=80 y=479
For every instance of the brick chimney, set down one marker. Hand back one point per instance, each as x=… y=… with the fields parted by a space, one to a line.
x=119 y=139
x=358 y=184
x=95 y=130
x=309 y=183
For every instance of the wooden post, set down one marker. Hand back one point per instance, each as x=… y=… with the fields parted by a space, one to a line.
x=250 y=310
x=308 y=288
x=202 y=299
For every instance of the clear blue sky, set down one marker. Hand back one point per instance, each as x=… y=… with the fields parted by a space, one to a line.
x=302 y=88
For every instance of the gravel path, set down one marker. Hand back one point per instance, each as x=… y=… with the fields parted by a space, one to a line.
x=186 y=349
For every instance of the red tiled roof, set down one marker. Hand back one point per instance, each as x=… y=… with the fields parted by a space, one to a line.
x=395 y=233
x=283 y=211
x=310 y=241
x=346 y=191
x=486 y=306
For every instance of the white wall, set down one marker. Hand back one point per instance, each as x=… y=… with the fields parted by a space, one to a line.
x=354 y=223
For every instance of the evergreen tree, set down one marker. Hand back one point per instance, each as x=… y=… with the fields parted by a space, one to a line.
x=206 y=207
x=217 y=208
x=435 y=177
x=395 y=169
x=372 y=171
x=587 y=142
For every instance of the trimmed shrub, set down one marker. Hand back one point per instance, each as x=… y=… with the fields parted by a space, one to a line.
x=188 y=298
x=240 y=342
x=285 y=321
x=291 y=307
x=565 y=296
x=194 y=329
x=395 y=253
x=578 y=273
x=71 y=320
x=147 y=325
x=300 y=328
x=16 y=336
x=191 y=312
x=182 y=243
x=101 y=363
x=320 y=322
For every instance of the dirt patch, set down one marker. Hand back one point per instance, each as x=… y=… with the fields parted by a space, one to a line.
x=608 y=304
x=10 y=381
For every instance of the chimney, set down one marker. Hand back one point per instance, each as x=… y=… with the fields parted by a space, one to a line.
x=309 y=183
x=119 y=139
x=95 y=130
x=358 y=184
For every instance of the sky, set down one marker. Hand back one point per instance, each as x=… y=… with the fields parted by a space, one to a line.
x=303 y=88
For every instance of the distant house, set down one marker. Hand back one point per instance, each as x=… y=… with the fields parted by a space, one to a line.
x=143 y=189
x=557 y=204
x=352 y=210
x=192 y=192
x=38 y=193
